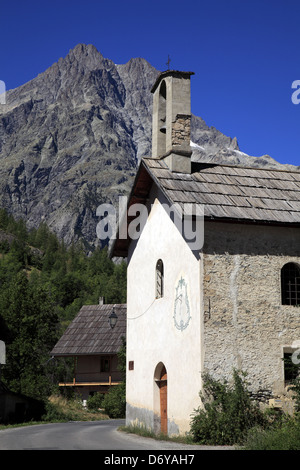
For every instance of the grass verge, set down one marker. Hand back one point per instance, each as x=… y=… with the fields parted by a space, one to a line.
x=60 y=409
x=145 y=432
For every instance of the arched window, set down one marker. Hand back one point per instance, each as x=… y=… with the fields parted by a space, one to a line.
x=159 y=279
x=290 y=284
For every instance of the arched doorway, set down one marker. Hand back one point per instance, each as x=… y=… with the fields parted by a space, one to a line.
x=160 y=377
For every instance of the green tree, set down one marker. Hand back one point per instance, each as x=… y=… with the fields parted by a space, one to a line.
x=4 y=219
x=43 y=286
x=114 y=402
x=122 y=357
x=32 y=323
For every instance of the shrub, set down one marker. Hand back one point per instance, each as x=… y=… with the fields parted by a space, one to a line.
x=95 y=402
x=227 y=414
x=55 y=414
x=295 y=386
x=284 y=437
x=114 y=402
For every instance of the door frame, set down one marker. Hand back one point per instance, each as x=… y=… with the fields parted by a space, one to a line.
x=161 y=399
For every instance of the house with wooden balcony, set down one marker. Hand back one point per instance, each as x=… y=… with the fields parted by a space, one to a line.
x=94 y=339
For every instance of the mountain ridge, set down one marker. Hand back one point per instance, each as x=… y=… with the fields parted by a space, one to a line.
x=72 y=138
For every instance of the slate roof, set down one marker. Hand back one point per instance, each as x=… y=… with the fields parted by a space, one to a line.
x=225 y=192
x=233 y=192
x=90 y=332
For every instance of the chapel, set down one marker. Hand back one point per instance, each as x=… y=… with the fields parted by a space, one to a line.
x=213 y=275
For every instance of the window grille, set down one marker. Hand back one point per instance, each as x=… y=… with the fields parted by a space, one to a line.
x=291 y=370
x=290 y=284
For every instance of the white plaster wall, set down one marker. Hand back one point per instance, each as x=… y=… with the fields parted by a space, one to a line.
x=151 y=334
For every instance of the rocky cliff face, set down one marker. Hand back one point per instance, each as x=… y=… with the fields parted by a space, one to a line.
x=72 y=138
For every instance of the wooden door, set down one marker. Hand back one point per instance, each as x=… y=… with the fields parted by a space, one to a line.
x=163 y=402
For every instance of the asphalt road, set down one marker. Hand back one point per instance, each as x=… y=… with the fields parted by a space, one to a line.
x=82 y=435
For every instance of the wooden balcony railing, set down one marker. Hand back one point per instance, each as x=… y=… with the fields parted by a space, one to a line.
x=80 y=383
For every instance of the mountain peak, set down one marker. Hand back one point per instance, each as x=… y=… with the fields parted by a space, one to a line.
x=84 y=57
x=83 y=51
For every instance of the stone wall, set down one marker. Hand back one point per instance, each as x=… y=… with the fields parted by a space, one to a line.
x=181 y=131
x=245 y=325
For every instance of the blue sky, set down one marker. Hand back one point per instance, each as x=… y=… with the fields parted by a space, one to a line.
x=245 y=55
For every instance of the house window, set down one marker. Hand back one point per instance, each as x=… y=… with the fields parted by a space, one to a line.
x=291 y=370
x=105 y=364
x=159 y=279
x=290 y=284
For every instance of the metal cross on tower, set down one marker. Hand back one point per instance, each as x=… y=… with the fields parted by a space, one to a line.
x=168 y=63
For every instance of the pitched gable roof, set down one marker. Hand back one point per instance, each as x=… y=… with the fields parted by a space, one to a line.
x=226 y=193
x=90 y=332
x=233 y=192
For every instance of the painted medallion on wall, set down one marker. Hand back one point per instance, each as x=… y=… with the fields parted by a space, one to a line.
x=181 y=305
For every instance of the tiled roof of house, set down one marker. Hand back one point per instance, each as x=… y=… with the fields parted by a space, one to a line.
x=90 y=332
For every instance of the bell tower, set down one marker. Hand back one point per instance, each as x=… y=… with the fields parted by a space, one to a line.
x=171 y=121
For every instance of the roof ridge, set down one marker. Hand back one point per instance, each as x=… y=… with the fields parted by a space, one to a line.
x=228 y=165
